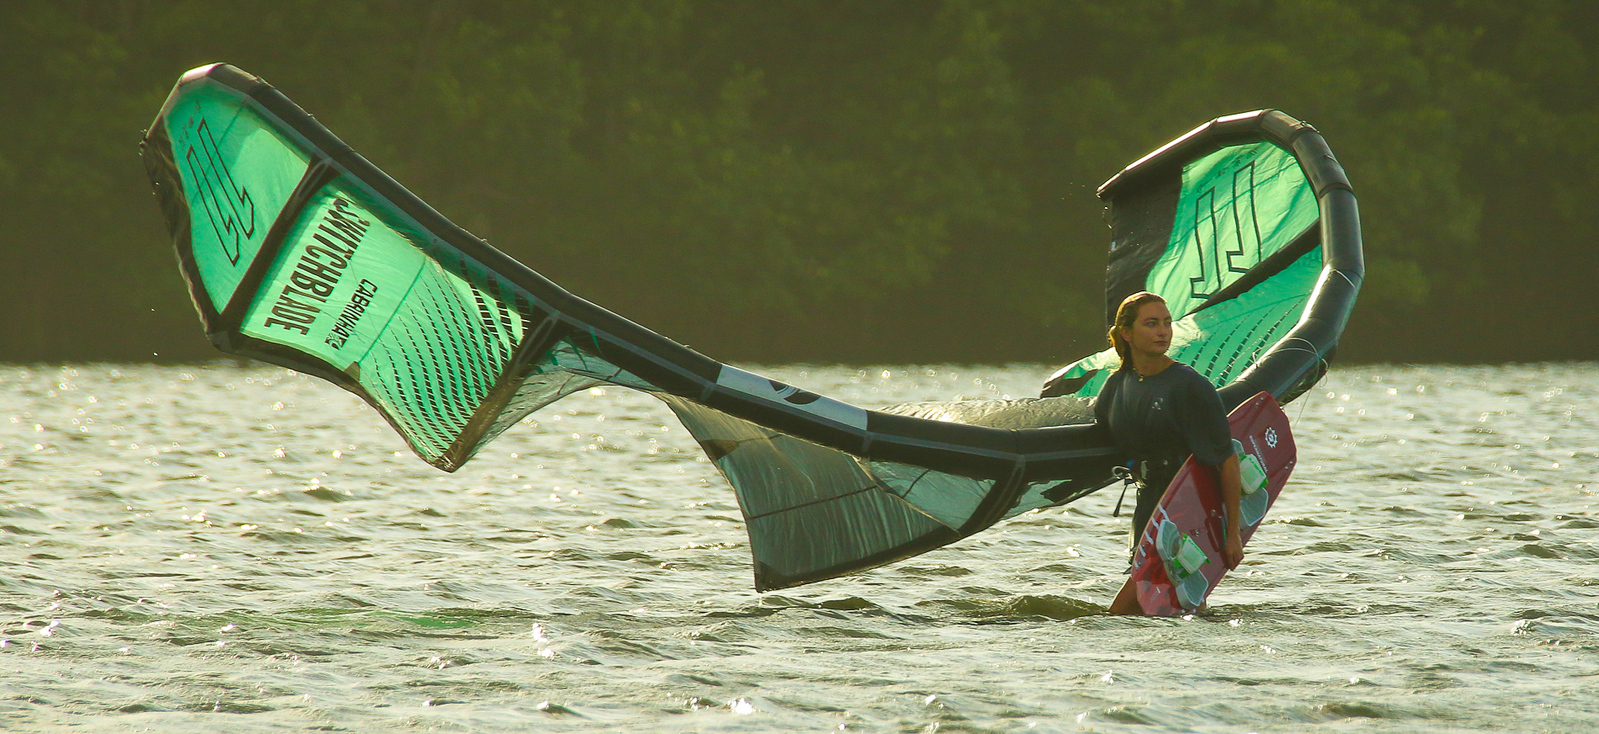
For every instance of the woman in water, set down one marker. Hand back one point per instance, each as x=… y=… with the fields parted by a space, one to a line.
x=1161 y=411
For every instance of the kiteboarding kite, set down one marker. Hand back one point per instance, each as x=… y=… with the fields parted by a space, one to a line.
x=299 y=252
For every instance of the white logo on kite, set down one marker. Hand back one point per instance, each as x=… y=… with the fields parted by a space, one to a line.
x=792 y=394
x=1271 y=437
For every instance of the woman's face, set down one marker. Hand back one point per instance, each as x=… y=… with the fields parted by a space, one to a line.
x=1150 y=334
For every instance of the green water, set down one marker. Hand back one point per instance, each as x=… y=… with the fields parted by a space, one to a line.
x=216 y=548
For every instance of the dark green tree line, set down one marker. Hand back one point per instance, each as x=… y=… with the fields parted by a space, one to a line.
x=833 y=179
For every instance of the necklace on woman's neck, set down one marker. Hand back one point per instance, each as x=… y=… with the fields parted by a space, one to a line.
x=1159 y=370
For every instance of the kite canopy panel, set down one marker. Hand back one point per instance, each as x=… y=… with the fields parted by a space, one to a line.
x=1248 y=227
x=299 y=252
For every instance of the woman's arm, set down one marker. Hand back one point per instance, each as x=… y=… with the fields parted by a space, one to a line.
x=1231 y=494
x=1211 y=439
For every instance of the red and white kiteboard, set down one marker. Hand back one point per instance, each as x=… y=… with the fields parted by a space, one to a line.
x=1179 y=557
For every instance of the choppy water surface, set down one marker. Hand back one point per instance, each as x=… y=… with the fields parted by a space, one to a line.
x=246 y=549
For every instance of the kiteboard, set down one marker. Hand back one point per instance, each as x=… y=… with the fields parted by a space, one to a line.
x=1180 y=556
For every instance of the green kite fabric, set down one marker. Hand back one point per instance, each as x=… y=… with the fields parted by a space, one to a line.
x=238 y=173
x=1238 y=206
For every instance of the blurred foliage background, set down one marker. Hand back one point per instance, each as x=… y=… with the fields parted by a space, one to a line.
x=831 y=180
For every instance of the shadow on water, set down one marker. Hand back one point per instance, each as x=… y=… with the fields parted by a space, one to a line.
x=1021 y=608
x=996 y=609
x=839 y=607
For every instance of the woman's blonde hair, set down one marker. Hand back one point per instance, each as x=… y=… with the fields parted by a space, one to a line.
x=1126 y=314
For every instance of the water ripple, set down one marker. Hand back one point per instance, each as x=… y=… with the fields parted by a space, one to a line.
x=203 y=547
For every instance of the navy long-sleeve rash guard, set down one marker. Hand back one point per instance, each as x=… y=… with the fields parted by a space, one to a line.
x=1170 y=414
x=1160 y=419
